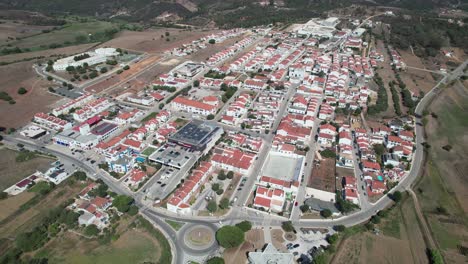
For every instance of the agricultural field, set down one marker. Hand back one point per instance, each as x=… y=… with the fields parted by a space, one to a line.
x=9 y=172
x=11 y=30
x=442 y=190
x=133 y=246
x=398 y=232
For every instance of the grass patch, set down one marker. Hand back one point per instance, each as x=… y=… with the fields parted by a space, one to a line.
x=175 y=225
x=166 y=255
x=25 y=155
x=149 y=117
x=148 y=151
x=445 y=238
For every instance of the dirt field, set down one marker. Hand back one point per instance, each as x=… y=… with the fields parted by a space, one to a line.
x=416 y=80
x=150 y=40
x=9 y=172
x=10 y=205
x=442 y=190
x=36 y=100
x=254 y=240
x=132 y=246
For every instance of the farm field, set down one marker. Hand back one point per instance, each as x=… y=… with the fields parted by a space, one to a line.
x=9 y=168
x=10 y=30
x=442 y=190
x=133 y=246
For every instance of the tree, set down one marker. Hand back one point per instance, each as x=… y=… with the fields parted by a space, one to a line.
x=196 y=83
x=133 y=210
x=230 y=236
x=328 y=153
x=224 y=203
x=122 y=203
x=167 y=34
x=22 y=90
x=210 y=117
x=244 y=225
x=215 y=260
x=325 y=213
x=126 y=67
x=375 y=219
x=379 y=149
x=219 y=192
x=3 y=195
x=221 y=175
x=304 y=208
x=339 y=228
x=215 y=186
x=287 y=226
x=230 y=175
x=212 y=41
x=80 y=175
x=212 y=207
x=91 y=230
x=103 y=70
x=332 y=239
x=396 y=196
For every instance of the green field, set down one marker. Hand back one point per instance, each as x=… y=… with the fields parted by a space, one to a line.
x=148 y=151
x=69 y=34
x=175 y=225
x=131 y=247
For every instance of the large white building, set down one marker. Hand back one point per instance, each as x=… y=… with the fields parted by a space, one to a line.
x=95 y=57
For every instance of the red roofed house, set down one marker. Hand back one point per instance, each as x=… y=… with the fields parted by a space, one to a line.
x=269 y=199
x=233 y=159
x=369 y=166
x=192 y=106
x=135 y=177
x=178 y=203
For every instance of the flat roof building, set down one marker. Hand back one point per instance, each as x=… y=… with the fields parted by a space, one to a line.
x=270 y=255
x=197 y=136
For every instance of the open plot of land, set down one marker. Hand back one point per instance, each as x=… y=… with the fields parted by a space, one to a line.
x=151 y=41
x=416 y=80
x=282 y=167
x=11 y=171
x=387 y=75
x=367 y=248
x=133 y=246
x=47 y=53
x=26 y=219
x=323 y=175
x=442 y=190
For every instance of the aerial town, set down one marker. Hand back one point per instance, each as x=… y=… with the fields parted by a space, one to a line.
x=271 y=130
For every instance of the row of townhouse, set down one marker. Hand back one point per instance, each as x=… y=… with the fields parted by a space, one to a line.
x=217 y=83
x=179 y=201
x=350 y=192
x=209 y=105
x=75 y=103
x=229 y=52
x=51 y=122
x=91 y=109
x=233 y=159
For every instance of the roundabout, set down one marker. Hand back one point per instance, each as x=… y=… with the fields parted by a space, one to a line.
x=197 y=239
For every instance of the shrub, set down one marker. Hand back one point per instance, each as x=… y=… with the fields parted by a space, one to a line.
x=325 y=213
x=22 y=90
x=244 y=225
x=230 y=236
